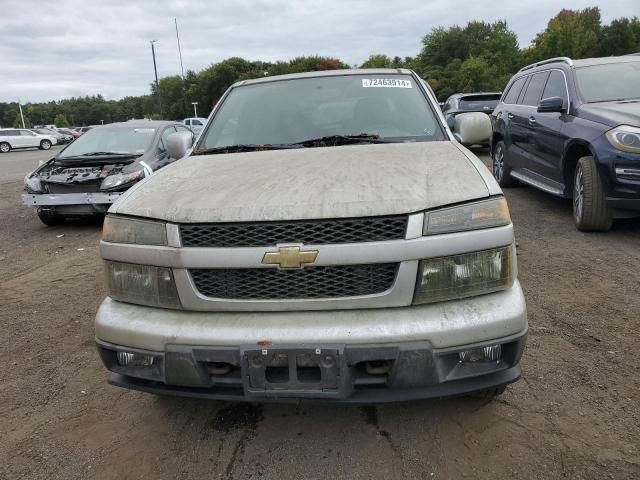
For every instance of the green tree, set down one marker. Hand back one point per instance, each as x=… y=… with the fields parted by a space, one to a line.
x=571 y=33
x=17 y=122
x=60 y=120
x=378 y=61
x=479 y=56
x=620 y=37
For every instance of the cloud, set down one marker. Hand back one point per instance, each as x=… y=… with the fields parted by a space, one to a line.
x=70 y=48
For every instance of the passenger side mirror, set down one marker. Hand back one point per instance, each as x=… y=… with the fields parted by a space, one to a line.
x=178 y=144
x=551 y=104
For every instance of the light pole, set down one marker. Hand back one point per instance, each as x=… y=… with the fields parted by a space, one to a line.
x=155 y=69
x=195 y=110
x=21 y=116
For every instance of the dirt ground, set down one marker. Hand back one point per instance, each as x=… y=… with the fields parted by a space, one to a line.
x=575 y=413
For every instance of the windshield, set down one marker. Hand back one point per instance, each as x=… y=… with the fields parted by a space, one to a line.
x=478 y=104
x=122 y=140
x=610 y=82
x=292 y=111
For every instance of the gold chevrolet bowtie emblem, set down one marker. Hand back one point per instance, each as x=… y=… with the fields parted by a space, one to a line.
x=290 y=257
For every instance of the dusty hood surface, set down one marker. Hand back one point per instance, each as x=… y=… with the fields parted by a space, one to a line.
x=330 y=182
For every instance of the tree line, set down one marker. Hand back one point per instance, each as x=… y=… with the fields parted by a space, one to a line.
x=480 y=56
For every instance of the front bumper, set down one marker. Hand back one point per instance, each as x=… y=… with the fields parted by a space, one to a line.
x=52 y=199
x=378 y=354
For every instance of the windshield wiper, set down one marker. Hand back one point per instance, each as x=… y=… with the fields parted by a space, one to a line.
x=243 y=148
x=336 y=140
x=329 y=141
x=109 y=154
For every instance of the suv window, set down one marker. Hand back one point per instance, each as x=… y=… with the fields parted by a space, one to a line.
x=514 y=91
x=196 y=122
x=534 y=89
x=26 y=133
x=556 y=87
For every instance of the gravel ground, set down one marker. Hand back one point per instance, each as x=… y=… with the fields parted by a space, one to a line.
x=573 y=415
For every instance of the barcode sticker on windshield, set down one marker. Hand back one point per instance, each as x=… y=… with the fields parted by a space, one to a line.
x=386 y=82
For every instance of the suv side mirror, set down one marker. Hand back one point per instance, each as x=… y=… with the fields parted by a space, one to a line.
x=178 y=144
x=551 y=104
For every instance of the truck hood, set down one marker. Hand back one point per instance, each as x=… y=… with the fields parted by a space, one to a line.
x=612 y=113
x=329 y=182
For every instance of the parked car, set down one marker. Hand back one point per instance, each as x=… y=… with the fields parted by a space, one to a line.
x=82 y=130
x=68 y=131
x=462 y=113
x=17 y=138
x=60 y=137
x=196 y=124
x=326 y=238
x=85 y=178
x=572 y=128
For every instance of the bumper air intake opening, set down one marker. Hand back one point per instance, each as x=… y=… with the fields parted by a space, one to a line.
x=277 y=374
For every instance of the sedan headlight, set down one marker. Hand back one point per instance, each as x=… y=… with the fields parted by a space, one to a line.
x=33 y=184
x=625 y=138
x=119 y=179
x=470 y=216
x=117 y=229
x=142 y=285
x=465 y=275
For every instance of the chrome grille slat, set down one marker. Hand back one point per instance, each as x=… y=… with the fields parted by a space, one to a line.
x=308 y=283
x=316 y=232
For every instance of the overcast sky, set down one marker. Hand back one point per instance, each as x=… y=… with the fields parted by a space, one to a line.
x=54 y=50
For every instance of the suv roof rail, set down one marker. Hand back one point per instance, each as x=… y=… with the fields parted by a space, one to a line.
x=566 y=60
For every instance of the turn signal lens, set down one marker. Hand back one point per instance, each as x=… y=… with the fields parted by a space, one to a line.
x=131 y=359
x=116 y=229
x=472 y=216
x=492 y=353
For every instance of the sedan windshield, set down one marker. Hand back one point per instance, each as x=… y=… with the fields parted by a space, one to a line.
x=116 y=141
x=609 y=82
x=385 y=107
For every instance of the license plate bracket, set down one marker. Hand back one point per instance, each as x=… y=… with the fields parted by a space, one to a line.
x=317 y=371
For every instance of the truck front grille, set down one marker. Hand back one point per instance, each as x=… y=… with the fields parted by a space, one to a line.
x=307 y=283
x=264 y=234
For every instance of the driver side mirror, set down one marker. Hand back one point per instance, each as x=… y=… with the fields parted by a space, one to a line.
x=178 y=144
x=551 y=104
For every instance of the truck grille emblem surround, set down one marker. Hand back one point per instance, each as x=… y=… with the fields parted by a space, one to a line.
x=290 y=257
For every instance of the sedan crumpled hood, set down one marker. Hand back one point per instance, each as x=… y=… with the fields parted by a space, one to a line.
x=329 y=182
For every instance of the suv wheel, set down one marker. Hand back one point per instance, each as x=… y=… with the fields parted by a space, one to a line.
x=591 y=212
x=501 y=170
x=45 y=145
x=50 y=218
x=5 y=147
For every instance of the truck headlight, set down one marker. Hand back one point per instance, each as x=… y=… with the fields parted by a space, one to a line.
x=119 y=179
x=465 y=275
x=471 y=216
x=625 y=138
x=117 y=229
x=142 y=285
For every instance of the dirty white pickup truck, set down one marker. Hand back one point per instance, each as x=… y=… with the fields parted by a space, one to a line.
x=326 y=238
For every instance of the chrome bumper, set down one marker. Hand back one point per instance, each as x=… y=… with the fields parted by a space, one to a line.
x=52 y=199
